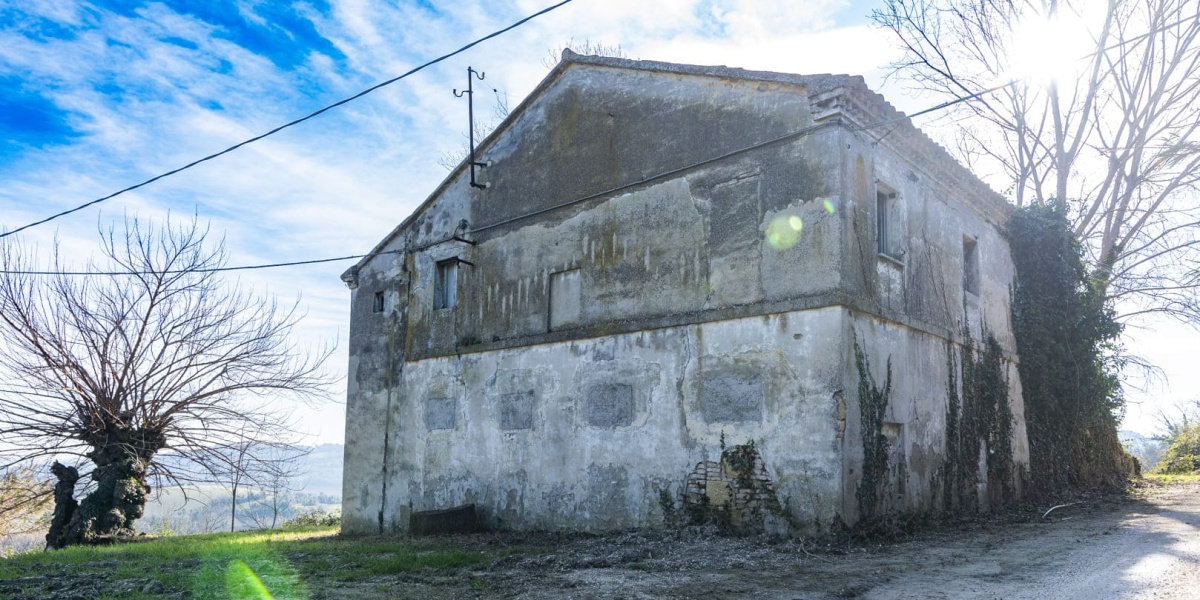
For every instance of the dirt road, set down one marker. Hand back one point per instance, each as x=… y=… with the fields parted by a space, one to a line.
x=1146 y=547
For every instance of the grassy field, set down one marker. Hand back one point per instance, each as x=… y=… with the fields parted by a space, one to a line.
x=299 y=564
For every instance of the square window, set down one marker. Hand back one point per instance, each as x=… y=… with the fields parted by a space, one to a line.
x=445 y=286
x=377 y=302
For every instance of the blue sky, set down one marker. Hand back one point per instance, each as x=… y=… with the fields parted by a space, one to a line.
x=95 y=96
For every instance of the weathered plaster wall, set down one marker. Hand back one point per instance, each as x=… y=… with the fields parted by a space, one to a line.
x=924 y=287
x=915 y=421
x=626 y=299
x=688 y=248
x=599 y=128
x=584 y=434
x=375 y=350
x=907 y=308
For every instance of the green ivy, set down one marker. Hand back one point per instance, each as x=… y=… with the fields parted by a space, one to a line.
x=1183 y=455
x=980 y=420
x=872 y=405
x=1066 y=338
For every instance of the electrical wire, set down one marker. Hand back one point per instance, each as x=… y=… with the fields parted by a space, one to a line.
x=203 y=270
x=777 y=140
x=290 y=123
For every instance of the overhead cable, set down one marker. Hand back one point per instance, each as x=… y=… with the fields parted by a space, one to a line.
x=203 y=270
x=290 y=123
x=650 y=179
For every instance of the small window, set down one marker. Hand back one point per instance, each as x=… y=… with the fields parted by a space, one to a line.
x=377 y=302
x=445 y=287
x=887 y=225
x=970 y=265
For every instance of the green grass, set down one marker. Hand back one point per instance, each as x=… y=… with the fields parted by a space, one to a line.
x=247 y=565
x=1173 y=478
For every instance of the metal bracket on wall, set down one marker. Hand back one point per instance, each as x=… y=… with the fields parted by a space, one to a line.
x=472 y=74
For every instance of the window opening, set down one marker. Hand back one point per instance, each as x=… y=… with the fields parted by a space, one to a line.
x=445 y=287
x=887 y=228
x=377 y=302
x=970 y=254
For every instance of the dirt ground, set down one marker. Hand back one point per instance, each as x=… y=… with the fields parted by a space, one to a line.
x=1147 y=546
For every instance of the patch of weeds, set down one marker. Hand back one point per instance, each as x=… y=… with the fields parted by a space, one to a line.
x=667 y=504
x=1171 y=478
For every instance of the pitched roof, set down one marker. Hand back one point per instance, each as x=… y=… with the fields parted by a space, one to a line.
x=845 y=97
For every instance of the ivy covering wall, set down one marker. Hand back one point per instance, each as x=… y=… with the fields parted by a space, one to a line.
x=1066 y=338
x=979 y=422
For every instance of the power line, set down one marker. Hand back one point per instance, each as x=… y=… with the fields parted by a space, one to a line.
x=290 y=123
x=203 y=270
x=946 y=104
x=780 y=139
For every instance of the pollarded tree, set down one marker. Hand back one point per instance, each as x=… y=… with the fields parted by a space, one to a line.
x=156 y=359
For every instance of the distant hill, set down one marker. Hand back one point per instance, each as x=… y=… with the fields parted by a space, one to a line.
x=1147 y=450
x=206 y=508
x=324 y=470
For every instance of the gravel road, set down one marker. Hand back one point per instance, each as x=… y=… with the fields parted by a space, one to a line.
x=1147 y=546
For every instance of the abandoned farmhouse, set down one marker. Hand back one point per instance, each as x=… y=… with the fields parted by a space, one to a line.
x=657 y=294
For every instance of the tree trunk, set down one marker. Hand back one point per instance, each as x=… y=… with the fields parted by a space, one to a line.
x=64 y=503
x=108 y=512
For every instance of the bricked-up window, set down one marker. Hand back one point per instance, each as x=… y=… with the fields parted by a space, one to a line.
x=377 y=302
x=566 y=305
x=970 y=259
x=445 y=285
x=887 y=214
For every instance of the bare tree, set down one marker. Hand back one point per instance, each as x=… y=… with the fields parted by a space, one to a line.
x=280 y=478
x=257 y=462
x=1177 y=419
x=156 y=358
x=275 y=477
x=500 y=110
x=1117 y=139
x=24 y=501
x=233 y=466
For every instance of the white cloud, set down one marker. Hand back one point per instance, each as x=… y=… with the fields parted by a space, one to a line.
x=335 y=185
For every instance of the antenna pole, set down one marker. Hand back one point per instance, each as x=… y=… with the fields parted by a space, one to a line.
x=472 y=75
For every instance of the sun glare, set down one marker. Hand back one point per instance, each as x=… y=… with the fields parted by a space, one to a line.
x=1043 y=50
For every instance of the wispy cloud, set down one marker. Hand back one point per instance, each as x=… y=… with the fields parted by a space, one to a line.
x=98 y=95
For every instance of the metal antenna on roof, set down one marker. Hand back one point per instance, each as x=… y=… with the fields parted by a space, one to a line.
x=472 y=74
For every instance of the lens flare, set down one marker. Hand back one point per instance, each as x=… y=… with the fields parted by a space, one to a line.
x=243 y=583
x=830 y=207
x=784 y=232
